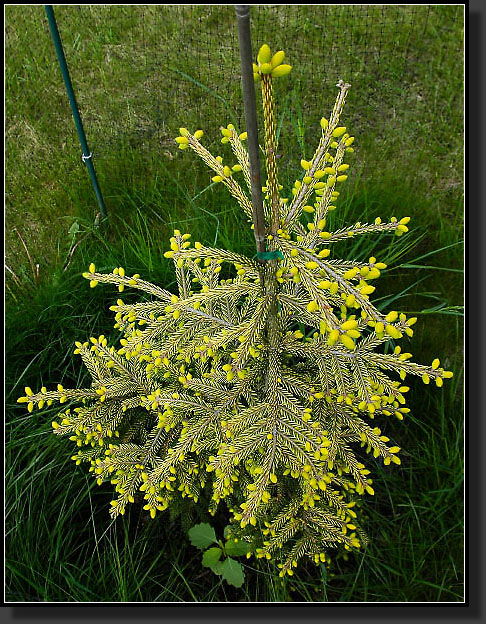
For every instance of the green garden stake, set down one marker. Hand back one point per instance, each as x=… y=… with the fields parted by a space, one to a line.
x=87 y=156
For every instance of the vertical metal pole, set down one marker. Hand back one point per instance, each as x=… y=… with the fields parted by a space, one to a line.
x=87 y=155
x=248 y=84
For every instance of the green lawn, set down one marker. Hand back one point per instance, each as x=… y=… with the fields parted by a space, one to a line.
x=140 y=73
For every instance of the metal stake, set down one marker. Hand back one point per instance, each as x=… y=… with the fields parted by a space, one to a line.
x=86 y=155
x=248 y=84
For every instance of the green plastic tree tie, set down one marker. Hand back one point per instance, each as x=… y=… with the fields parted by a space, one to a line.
x=270 y=255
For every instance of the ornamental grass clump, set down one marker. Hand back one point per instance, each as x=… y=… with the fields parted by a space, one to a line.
x=256 y=394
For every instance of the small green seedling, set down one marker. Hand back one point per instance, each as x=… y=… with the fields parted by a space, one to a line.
x=220 y=558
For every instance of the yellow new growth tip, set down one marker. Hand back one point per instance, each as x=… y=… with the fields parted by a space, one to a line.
x=264 y=54
x=268 y=65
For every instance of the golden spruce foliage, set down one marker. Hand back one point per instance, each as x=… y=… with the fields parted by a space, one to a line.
x=251 y=393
